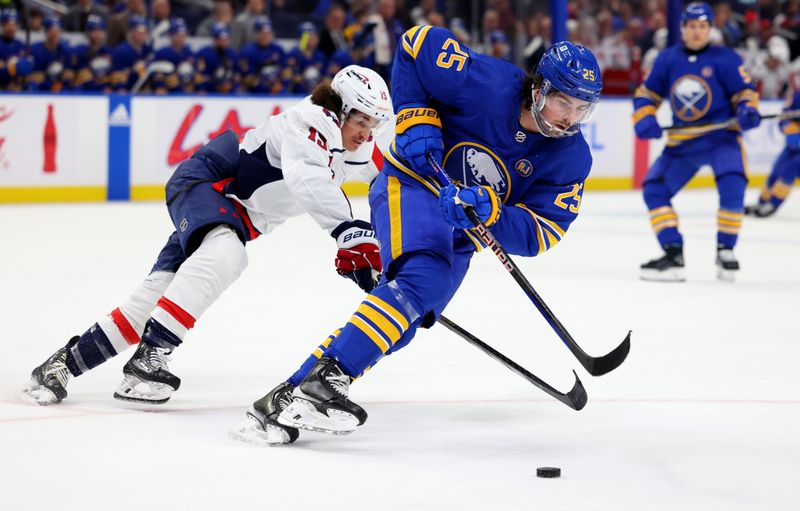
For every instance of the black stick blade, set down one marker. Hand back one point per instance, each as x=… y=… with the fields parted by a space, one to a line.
x=598 y=366
x=577 y=396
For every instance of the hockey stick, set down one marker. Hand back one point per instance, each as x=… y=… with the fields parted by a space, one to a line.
x=575 y=398
x=596 y=366
x=789 y=114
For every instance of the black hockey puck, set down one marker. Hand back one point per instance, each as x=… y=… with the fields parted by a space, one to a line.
x=548 y=472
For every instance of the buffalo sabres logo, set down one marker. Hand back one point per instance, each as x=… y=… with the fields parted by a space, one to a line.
x=523 y=168
x=690 y=97
x=478 y=165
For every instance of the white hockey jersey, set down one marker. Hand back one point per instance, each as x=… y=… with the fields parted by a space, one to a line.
x=295 y=163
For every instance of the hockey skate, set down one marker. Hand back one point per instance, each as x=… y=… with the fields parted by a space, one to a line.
x=146 y=377
x=667 y=268
x=320 y=402
x=727 y=265
x=261 y=426
x=760 y=210
x=48 y=385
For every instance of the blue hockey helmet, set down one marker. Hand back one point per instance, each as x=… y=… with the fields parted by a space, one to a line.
x=95 y=22
x=697 y=11
x=220 y=31
x=8 y=15
x=571 y=69
x=177 y=26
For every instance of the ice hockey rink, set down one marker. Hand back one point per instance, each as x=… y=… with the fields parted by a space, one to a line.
x=704 y=414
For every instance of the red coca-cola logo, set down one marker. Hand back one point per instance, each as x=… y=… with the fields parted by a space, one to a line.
x=177 y=150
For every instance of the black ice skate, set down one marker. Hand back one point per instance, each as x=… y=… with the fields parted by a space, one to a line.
x=48 y=385
x=320 y=402
x=761 y=210
x=146 y=376
x=667 y=268
x=727 y=265
x=262 y=426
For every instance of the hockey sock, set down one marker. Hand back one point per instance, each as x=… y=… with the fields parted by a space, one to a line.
x=156 y=334
x=92 y=349
x=731 y=208
x=318 y=353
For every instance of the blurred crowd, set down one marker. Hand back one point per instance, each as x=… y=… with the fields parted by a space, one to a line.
x=289 y=46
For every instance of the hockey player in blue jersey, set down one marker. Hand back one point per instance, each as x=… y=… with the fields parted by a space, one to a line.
x=178 y=53
x=785 y=170
x=261 y=62
x=707 y=87
x=216 y=64
x=51 y=69
x=91 y=62
x=130 y=58
x=512 y=140
x=14 y=65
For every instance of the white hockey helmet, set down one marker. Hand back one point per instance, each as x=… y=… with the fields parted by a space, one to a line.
x=364 y=90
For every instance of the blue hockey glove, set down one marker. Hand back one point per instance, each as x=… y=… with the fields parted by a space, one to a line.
x=647 y=127
x=748 y=116
x=419 y=131
x=22 y=67
x=793 y=140
x=482 y=198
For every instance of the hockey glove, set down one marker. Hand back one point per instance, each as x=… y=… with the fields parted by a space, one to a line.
x=748 y=116
x=647 y=127
x=793 y=140
x=419 y=131
x=21 y=66
x=482 y=198
x=359 y=255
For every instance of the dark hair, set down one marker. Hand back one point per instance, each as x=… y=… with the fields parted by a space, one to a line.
x=530 y=81
x=324 y=96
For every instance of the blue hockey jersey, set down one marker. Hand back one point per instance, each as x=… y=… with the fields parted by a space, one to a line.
x=479 y=100
x=704 y=88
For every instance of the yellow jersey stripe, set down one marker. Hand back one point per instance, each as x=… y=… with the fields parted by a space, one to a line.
x=645 y=93
x=362 y=325
x=390 y=155
x=388 y=310
x=552 y=225
x=419 y=39
x=474 y=239
x=539 y=236
x=395 y=217
x=379 y=320
x=643 y=112
x=551 y=240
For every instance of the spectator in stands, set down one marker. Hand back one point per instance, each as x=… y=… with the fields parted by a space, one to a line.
x=193 y=12
x=459 y=30
x=91 y=62
x=500 y=48
x=537 y=43
x=242 y=27
x=129 y=59
x=160 y=23
x=730 y=30
x=659 y=43
x=436 y=19
x=419 y=14
x=223 y=13
x=489 y=23
x=261 y=62
x=119 y=23
x=332 y=38
x=216 y=64
x=386 y=36
x=14 y=66
x=75 y=19
x=178 y=53
x=50 y=59
x=306 y=62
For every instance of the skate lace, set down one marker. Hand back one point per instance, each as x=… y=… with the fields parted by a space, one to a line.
x=339 y=382
x=58 y=369
x=284 y=400
x=158 y=358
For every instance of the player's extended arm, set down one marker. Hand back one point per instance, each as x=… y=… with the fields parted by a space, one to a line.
x=647 y=99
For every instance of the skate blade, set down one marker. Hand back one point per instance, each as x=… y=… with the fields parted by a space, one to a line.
x=249 y=431
x=673 y=275
x=138 y=391
x=36 y=394
x=726 y=275
x=303 y=414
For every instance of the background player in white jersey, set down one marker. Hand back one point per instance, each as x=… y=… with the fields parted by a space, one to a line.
x=226 y=194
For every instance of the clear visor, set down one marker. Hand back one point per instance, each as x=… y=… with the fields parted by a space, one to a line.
x=559 y=114
x=364 y=123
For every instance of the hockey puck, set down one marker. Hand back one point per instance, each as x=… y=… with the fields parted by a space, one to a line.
x=548 y=472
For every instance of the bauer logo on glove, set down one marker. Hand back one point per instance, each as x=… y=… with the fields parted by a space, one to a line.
x=359 y=255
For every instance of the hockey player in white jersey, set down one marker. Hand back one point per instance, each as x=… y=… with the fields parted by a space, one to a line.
x=227 y=194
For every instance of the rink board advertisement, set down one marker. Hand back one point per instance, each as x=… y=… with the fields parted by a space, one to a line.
x=53 y=147
x=79 y=148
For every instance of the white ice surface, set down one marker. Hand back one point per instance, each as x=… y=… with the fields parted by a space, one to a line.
x=704 y=415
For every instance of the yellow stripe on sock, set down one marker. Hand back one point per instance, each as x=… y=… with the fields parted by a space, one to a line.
x=382 y=322
x=389 y=311
x=370 y=332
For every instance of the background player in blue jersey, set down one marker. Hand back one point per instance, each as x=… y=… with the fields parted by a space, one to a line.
x=226 y=195
x=91 y=62
x=512 y=140
x=707 y=86
x=178 y=53
x=785 y=170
